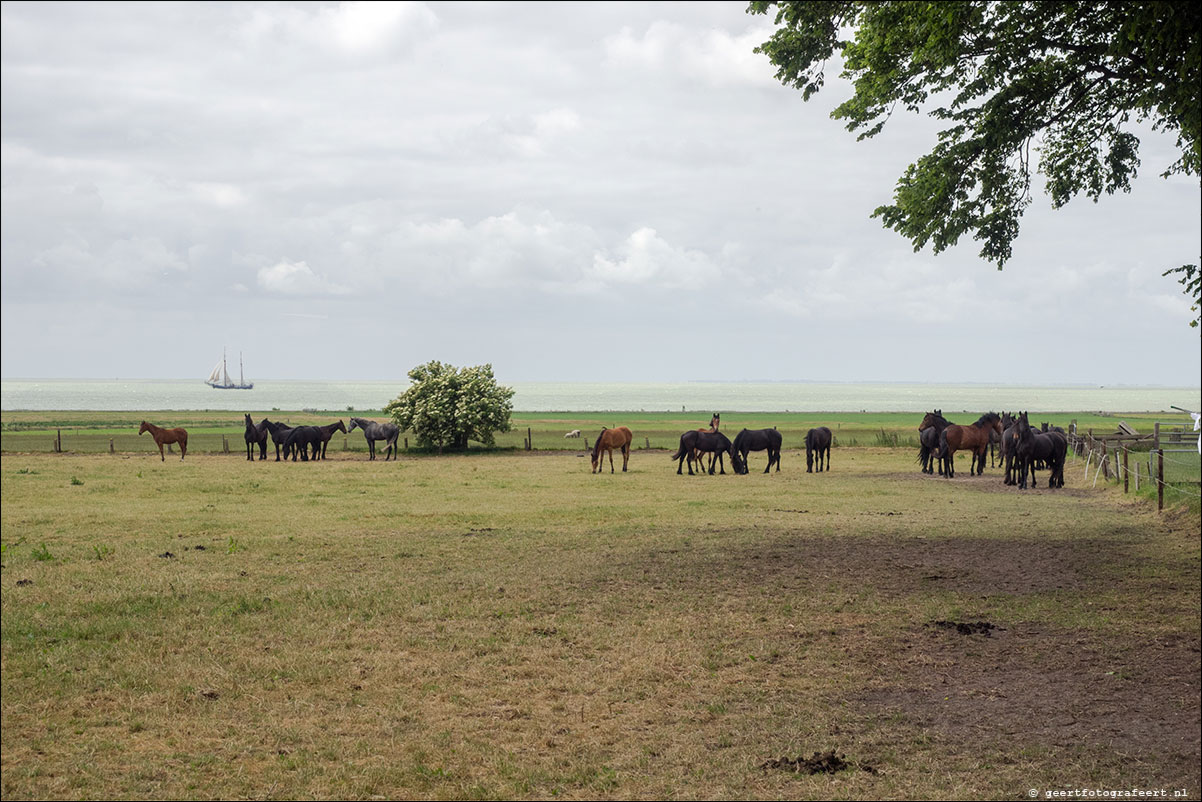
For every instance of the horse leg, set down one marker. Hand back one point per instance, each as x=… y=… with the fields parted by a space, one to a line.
x=162 y=456
x=183 y=449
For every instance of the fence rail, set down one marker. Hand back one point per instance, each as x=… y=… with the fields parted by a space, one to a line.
x=1177 y=471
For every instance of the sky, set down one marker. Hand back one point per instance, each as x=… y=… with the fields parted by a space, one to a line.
x=617 y=192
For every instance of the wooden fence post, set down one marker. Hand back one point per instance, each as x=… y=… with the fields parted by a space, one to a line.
x=225 y=444
x=1159 y=477
x=1156 y=437
x=647 y=440
x=111 y=449
x=1126 y=472
x=529 y=439
x=406 y=443
x=58 y=441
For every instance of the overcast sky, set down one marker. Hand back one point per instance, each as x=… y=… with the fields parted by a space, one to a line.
x=612 y=192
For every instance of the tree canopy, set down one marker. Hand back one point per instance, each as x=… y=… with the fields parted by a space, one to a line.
x=1071 y=78
x=446 y=406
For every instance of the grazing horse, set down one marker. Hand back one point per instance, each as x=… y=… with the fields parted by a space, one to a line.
x=694 y=442
x=256 y=434
x=609 y=439
x=279 y=436
x=933 y=424
x=372 y=431
x=769 y=440
x=1050 y=448
x=300 y=440
x=818 y=441
x=974 y=437
x=715 y=423
x=166 y=436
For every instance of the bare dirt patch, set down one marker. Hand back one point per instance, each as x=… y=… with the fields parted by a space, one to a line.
x=1056 y=689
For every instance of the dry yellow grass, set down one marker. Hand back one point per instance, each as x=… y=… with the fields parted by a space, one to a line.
x=516 y=627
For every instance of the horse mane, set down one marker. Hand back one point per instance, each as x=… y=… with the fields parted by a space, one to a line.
x=987 y=418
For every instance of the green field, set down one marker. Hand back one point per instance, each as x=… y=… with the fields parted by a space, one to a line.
x=214 y=432
x=509 y=625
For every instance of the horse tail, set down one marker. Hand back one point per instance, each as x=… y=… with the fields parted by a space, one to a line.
x=683 y=449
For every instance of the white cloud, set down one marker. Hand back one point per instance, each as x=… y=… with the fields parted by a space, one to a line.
x=717 y=57
x=355 y=29
x=646 y=258
x=221 y=195
x=296 y=278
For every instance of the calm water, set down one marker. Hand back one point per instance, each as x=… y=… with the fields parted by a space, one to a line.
x=160 y=394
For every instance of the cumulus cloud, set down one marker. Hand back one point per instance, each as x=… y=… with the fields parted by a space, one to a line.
x=296 y=278
x=646 y=258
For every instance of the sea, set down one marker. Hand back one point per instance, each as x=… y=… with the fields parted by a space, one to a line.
x=705 y=397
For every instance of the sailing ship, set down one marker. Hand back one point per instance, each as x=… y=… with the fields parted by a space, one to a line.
x=220 y=377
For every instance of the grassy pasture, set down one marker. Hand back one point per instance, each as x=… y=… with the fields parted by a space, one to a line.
x=92 y=432
x=511 y=626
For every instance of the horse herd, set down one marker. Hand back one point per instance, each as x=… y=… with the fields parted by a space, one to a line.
x=696 y=444
x=1023 y=449
x=309 y=442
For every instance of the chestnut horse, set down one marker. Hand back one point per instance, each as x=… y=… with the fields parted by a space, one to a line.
x=974 y=437
x=164 y=436
x=609 y=439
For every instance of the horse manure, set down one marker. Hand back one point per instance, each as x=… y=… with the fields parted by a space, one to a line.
x=23 y=582
x=167 y=555
x=199 y=548
x=969 y=628
x=818 y=763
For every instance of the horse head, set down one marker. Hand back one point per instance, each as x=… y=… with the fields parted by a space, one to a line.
x=933 y=419
x=145 y=428
x=341 y=427
x=355 y=422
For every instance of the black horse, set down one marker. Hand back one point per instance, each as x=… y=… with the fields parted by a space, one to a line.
x=1050 y=448
x=933 y=424
x=713 y=443
x=769 y=440
x=303 y=438
x=373 y=431
x=256 y=434
x=279 y=436
x=818 y=444
x=300 y=441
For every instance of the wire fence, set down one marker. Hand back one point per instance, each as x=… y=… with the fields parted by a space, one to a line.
x=1145 y=466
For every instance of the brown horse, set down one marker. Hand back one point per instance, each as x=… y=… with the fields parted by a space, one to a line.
x=715 y=423
x=609 y=439
x=164 y=436
x=973 y=437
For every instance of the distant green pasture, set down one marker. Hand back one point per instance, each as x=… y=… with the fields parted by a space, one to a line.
x=215 y=432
